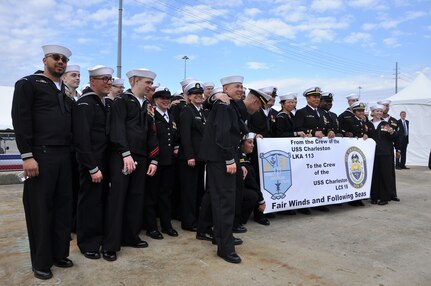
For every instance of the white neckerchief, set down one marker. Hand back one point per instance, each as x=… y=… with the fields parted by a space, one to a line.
x=58 y=84
x=376 y=123
x=141 y=100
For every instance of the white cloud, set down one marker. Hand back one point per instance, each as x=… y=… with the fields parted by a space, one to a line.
x=208 y=41
x=357 y=37
x=154 y=48
x=293 y=11
x=190 y=28
x=257 y=66
x=189 y=39
x=85 y=40
x=389 y=22
x=326 y=5
x=369 y=26
x=374 y=5
x=391 y=42
x=412 y=15
x=144 y=22
x=252 y=12
x=319 y=35
x=199 y=13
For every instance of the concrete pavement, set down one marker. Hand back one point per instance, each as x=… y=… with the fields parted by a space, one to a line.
x=371 y=245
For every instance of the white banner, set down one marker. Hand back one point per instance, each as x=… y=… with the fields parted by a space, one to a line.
x=305 y=172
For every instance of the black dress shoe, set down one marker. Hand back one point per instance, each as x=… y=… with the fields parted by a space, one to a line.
x=305 y=211
x=231 y=257
x=191 y=228
x=170 y=231
x=398 y=168
x=236 y=241
x=154 y=234
x=109 y=255
x=91 y=254
x=382 y=203
x=204 y=236
x=262 y=221
x=270 y=215
x=239 y=229
x=139 y=244
x=322 y=209
x=395 y=199
x=42 y=273
x=405 y=168
x=63 y=263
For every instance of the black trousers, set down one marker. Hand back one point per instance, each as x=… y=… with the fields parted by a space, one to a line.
x=91 y=206
x=157 y=198
x=401 y=162
x=124 y=203
x=176 y=193
x=205 y=218
x=239 y=195
x=47 y=202
x=392 y=183
x=192 y=190
x=75 y=188
x=222 y=189
x=381 y=185
x=249 y=203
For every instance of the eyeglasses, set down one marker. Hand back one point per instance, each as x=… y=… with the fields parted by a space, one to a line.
x=57 y=57
x=105 y=79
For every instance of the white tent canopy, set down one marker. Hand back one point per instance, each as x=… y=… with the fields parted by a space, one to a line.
x=6 y=95
x=415 y=100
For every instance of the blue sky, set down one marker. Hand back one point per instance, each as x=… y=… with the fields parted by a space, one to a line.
x=292 y=44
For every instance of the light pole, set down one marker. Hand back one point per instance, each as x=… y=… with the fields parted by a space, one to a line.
x=359 y=88
x=185 y=58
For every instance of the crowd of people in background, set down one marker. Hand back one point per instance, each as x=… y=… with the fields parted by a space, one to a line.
x=108 y=163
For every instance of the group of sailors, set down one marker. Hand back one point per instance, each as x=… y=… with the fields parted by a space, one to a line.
x=132 y=156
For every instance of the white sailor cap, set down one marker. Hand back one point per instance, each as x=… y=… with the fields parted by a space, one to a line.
x=155 y=85
x=186 y=81
x=194 y=87
x=353 y=96
x=312 y=91
x=178 y=93
x=271 y=90
x=141 y=73
x=231 y=79
x=207 y=84
x=56 y=49
x=100 y=70
x=217 y=90
x=358 y=106
x=118 y=81
x=261 y=95
x=289 y=95
x=249 y=135
x=377 y=106
x=71 y=68
x=384 y=102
